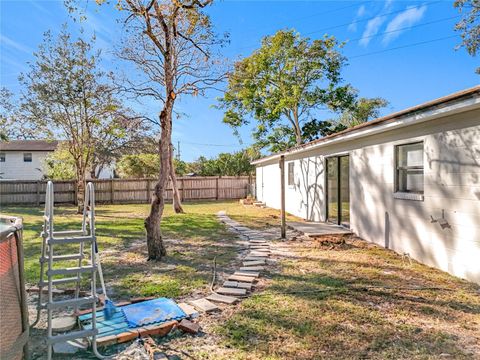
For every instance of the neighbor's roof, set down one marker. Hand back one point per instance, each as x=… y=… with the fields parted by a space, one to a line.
x=28 y=145
x=415 y=110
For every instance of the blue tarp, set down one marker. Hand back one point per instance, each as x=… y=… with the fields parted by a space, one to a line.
x=152 y=311
x=161 y=310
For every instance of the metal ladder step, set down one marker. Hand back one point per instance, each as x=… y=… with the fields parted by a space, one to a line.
x=72 y=270
x=58 y=281
x=63 y=257
x=71 y=302
x=71 y=335
x=70 y=240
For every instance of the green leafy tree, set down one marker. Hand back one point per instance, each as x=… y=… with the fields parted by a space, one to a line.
x=469 y=25
x=67 y=96
x=145 y=166
x=59 y=165
x=226 y=164
x=282 y=85
x=9 y=122
x=138 y=166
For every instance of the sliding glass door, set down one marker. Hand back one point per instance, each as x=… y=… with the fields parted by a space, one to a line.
x=338 y=190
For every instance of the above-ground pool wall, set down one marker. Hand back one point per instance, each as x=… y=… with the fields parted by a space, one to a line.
x=443 y=230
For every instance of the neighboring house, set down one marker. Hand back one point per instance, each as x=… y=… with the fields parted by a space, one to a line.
x=23 y=159
x=409 y=181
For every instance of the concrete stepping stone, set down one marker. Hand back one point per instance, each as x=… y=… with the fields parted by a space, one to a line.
x=64 y=323
x=241 y=278
x=222 y=298
x=266 y=247
x=204 y=305
x=252 y=268
x=231 y=291
x=254 y=263
x=247 y=273
x=254 y=258
x=236 y=284
x=189 y=310
x=258 y=242
x=258 y=254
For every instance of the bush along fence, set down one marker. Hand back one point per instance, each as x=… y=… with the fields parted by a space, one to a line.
x=123 y=191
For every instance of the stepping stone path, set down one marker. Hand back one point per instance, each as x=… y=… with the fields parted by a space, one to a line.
x=239 y=284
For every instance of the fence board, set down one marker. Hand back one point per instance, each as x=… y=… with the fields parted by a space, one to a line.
x=120 y=191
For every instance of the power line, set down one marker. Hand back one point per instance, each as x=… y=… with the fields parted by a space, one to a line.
x=313 y=15
x=404 y=46
x=370 y=18
x=353 y=22
x=407 y=28
x=216 y=145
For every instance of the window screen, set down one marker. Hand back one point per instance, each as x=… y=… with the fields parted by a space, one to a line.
x=291 y=179
x=409 y=168
x=27 y=157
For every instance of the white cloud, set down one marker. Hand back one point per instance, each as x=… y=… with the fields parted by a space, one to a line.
x=405 y=19
x=4 y=40
x=372 y=28
x=360 y=12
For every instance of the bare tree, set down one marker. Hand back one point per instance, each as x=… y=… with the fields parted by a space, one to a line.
x=174 y=46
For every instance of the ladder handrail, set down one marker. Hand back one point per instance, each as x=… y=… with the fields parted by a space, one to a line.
x=48 y=241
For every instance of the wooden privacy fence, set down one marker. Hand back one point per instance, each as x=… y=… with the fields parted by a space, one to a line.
x=123 y=191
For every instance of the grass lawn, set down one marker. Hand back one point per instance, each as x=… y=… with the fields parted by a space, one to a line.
x=353 y=301
x=357 y=302
x=193 y=240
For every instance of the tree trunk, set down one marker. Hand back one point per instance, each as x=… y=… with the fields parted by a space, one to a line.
x=156 y=248
x=80 y=190
x=177 y=200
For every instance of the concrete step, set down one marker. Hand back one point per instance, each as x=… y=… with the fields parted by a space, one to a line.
x=239 y=278
x=231 y=291
x=252 y=268
x=254 y=263
x=204 y=305
x=223 y=298
x=236 y=284
x=247 y=273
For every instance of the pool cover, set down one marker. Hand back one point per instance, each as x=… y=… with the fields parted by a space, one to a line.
x=152 y=311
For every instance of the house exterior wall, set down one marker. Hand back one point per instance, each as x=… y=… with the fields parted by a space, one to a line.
x=15 y=168
x=452 y=192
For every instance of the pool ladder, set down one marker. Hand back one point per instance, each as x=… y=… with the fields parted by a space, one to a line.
x=56 y=276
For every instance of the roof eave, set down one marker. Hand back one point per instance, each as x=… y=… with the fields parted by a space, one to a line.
x=396 y=120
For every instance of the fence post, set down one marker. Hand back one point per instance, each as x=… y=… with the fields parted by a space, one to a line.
x=38 y=193
x=182 y=197
x=148 y=191
x=112 y=192
x=216 y=188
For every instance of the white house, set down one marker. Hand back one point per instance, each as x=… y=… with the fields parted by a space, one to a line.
x=409 y=181
x=24 y=160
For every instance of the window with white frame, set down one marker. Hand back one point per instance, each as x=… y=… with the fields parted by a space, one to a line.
x=27 y=157
x=291 y=173
x=409 y=168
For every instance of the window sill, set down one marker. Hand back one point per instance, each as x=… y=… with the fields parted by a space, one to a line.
x=408 y=196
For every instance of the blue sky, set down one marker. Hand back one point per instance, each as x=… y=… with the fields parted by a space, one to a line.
x=380 y=35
